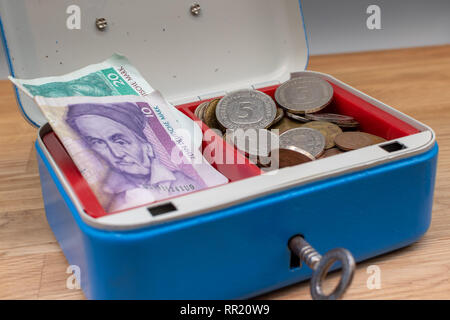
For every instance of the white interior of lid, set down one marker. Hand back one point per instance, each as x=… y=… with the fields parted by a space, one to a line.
x=232 y=44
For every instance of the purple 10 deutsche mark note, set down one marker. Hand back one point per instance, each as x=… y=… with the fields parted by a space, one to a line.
x=130 y=149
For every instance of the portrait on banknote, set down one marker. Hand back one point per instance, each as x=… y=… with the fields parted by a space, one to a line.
x=117 y=134
x=127 y=149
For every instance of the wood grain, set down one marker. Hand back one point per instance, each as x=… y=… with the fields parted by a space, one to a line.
x=415 y=81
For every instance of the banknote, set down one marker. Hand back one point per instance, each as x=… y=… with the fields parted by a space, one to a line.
x=128 y=148
x=115 y=76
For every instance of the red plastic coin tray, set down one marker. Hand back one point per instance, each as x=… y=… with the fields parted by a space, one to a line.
x=372 y=120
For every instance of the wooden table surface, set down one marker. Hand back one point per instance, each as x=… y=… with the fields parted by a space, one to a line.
x=415 y=81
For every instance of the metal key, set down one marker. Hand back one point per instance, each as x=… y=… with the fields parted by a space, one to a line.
x=321 y=265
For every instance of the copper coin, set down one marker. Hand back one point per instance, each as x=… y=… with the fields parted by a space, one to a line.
x=289 y=156
x=330 y=152
x=341 y=120
x=329 y=130
x=377 y=139
x=209 y=115
x=355 y=140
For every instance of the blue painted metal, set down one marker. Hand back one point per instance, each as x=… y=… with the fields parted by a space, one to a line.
x=241 y=251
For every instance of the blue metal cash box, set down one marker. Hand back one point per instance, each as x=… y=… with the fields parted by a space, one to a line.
x=230 y=241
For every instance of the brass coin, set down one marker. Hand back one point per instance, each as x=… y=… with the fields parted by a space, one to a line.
x=285 y=124
x=209 y=115
x=348 y=125
x=329 y=130
x=278 y=117
x=200 y=110
x=289 y=156
x=330 y=152
x=356 y=140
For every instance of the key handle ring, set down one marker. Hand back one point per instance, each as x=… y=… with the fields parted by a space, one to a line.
x=321 y=271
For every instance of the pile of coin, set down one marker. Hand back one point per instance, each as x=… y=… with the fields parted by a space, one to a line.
x=305 y=133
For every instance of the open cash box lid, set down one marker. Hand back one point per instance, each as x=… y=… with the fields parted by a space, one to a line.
x=230 y=45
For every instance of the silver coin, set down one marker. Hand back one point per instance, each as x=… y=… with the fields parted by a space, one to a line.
x=258 y=143
x=341 y=120
x=305 y=94
x=300 y=74
x=329 y=117
x=246 y=109
x=310 y=140
x=278 y=117
x=199 y=111
x=297 y=117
